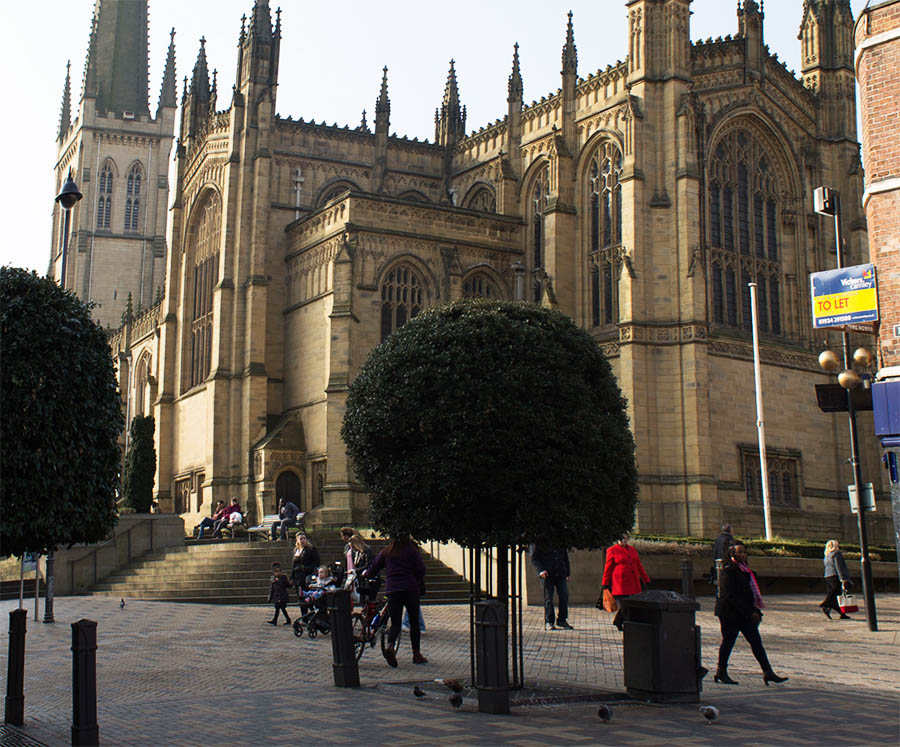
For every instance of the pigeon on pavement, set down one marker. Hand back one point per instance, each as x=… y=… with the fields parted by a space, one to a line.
x=418 y=692
x=456 y=700
x=710 y=713
x=605 y=713
x=121 y=602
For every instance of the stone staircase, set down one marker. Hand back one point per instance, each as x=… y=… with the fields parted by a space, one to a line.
x=238 y=572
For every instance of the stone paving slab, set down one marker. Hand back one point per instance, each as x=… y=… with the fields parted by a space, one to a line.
x=169 y=673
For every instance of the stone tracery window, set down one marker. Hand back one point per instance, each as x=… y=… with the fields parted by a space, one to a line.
x=104 y=199
x=202 y=278
x=605 y=218
x=540 y=196
x=484 y=200
x=743 y=196
x=480 y=285
x=133 y=199
x=783 y=479
x=402 y=298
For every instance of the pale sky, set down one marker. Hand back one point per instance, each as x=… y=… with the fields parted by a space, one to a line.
x=331 y=60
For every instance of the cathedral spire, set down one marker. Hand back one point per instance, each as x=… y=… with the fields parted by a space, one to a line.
x=261 y=21
x=65 y=112
x=363 y=125
x=515 y=79
x=116 y=71
x=383 y=103
x=450 y=123
x=200 y=77
x=167 y=93
x=569 y=53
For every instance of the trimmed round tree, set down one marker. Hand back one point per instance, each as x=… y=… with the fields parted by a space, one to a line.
x=140 y=465
x=490 y=424
x=61 y=418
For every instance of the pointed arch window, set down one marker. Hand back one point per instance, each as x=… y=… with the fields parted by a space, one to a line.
x=480 y=285
x=133 y=200
x=203 y=276
x=540 y=197
x=483 y=199
x=604 y=250
x=402 y=298
x=743 y=199
x=104 y=197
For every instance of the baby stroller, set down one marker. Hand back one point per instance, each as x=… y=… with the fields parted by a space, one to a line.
x=314 y=617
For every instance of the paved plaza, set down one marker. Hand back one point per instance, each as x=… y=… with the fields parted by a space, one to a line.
x=180 y=674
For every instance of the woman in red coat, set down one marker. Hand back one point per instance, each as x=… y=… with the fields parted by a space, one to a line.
x=623 y=574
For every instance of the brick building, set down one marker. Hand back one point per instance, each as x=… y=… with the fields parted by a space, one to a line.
x=877 y=36
x=639 y=199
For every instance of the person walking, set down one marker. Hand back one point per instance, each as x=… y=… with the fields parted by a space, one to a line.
x=404 y=576
x=305 y=562
x=287 y=517
x=837 y=579
x=552 y=565
x=739 y=609
x=623 y=573
x=278 y=594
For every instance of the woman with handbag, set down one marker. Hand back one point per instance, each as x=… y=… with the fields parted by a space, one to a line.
x=837 y=580
x=739 y=609
x=623 y=574
x=404 y=582
x=305 y=563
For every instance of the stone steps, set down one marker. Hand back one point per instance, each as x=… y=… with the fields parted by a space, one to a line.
x=237 y=572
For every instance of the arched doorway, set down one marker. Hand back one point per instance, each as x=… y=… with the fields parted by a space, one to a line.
x=287 y=486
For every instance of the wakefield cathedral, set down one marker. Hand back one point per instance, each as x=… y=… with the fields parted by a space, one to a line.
x=640 y=200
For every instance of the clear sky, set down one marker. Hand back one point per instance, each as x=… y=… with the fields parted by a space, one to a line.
x=331 y=60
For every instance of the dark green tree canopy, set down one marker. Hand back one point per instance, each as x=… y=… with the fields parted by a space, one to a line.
x=140 y=465
x=61 y=419
x=493 y=423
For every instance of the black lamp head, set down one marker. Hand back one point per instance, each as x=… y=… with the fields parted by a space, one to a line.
x=69 y=194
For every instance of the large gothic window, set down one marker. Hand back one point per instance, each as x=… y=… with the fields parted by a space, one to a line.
x=605 y=237
x=540 y=196
x=202 y=276
x=402 y=297
x=743 y=234
x=480 y=285
x=104 y=198
x=133 y=199
x=483 y=199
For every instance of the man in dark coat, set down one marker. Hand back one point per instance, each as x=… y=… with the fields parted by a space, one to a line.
x=552 y=565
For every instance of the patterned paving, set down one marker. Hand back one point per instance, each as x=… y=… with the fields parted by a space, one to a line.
x=171 y=674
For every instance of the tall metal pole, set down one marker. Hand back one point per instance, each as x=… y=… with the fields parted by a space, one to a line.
x=760 y=422
x=868 y=587
x=62 y=271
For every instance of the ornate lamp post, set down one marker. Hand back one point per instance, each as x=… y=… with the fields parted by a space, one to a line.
x=828 y=202
x=67 y=198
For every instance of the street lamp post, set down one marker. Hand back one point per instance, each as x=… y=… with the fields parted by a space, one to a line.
x=66 y=198
x=828 y=202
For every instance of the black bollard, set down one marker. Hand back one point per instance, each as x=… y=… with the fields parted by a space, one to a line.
x=491 y=657
x=48 y=592
x=346 y=670
x=15 y=672
x=687 y=578
x=85 y=730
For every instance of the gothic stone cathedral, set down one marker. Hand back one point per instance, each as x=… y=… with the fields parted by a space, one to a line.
x=640 y=200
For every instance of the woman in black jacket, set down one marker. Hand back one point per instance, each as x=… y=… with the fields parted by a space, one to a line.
x=306 y=562
x=739 y=611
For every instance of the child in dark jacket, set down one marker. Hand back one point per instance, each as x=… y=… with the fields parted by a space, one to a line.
x=278 y=594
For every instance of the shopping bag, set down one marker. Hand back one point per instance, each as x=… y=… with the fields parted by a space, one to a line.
x=609 y=601
x=847 y=605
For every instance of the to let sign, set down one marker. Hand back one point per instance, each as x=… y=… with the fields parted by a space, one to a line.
x=845 y=296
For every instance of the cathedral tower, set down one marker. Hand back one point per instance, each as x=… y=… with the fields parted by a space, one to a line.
x=118 y=153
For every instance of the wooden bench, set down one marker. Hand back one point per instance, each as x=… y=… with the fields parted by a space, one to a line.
x=265 y=526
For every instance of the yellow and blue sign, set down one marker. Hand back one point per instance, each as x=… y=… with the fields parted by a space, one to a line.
x=845 y=296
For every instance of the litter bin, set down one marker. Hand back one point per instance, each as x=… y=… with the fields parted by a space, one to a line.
x=662 y=647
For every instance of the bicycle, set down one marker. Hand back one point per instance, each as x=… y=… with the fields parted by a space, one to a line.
x=373 y=619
